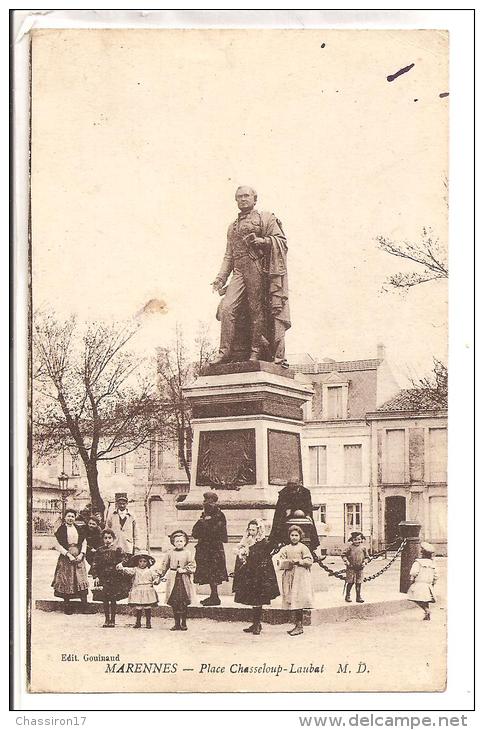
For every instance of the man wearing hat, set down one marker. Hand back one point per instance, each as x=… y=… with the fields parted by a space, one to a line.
x=123 y=524
x=211 y=532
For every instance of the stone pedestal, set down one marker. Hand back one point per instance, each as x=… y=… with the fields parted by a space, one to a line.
x=247 y=424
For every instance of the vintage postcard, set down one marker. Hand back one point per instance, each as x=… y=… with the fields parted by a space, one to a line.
x=238 y=415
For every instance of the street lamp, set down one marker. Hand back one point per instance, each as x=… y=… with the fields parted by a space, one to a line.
x=63 y=480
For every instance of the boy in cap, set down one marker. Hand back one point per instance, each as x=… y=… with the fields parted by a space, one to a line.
x=123 y=524
x=355 y=558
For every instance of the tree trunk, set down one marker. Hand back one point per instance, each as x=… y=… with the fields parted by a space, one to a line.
x=182 y=453
x=97 y=503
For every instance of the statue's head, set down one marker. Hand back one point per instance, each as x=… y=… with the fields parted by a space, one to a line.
x=246 y=198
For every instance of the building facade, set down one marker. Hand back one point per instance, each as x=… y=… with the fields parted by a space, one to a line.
x=409 y=469
x=370 y=458
x=337 y=442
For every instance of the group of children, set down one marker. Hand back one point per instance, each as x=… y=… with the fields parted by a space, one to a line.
x=118 y=575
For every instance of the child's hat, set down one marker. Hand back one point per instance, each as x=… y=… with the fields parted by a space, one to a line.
x=178 y=532
x=132 y=562
x=356 y=534
x=428 y=547
x=121 y=496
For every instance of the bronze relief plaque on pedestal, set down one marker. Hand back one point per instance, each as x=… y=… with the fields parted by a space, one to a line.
x=226 y=459
x=284 y=457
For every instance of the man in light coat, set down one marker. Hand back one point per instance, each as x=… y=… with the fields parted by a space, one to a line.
x=123 y=524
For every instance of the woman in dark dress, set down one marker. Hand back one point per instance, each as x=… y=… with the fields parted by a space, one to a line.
x=255 y=582
x=211 y=532
x=70 y=577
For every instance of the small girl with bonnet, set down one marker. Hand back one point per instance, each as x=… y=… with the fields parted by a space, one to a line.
x=255 y=582
x=423 y=575
x=142 y=595
x=178 y=565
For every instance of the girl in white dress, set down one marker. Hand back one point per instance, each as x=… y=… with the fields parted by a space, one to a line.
x=179 y=566
x=142 y=595
x=295 y=560
x=423 y=574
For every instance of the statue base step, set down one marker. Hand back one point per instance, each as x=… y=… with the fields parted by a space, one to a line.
x=247 y=366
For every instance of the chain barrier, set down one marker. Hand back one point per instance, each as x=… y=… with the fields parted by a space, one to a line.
x=386 y=549
x=385 y=567
x=341 y=574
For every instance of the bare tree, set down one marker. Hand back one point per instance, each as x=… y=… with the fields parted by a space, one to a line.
x=428 y=254
x=89 y=393
x=431 y=391
x=177 y=367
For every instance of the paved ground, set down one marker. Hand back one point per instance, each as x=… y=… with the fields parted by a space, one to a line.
x=395 y=652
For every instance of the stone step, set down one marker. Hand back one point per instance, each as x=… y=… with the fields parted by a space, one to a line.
x=270 y=615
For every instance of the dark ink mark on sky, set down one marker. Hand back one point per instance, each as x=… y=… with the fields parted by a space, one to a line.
x=415 y=99
x=403 y=70
x=444 y=94
x=323 y=45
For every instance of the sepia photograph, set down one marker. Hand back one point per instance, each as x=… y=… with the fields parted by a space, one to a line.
x=238 y=360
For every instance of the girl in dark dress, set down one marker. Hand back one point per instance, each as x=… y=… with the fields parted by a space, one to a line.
x=255 y=582
x=110 y=585
x=70 y=577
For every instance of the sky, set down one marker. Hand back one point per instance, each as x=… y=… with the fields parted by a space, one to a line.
x=140 y=137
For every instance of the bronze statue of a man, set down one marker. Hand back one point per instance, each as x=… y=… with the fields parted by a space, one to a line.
x=255 y=308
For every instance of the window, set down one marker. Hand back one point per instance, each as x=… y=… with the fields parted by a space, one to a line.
x=334 y=409
x=320 y=514
x=334 y=397
x=156 y=454
x=75 y=466
x=395 y=456
x=438 y=518
x=438 y=454
x=185 y=443
x=188 y=444
x=353 y=518
x=317 y=465
x=156 y=513
x=120 y=464
x=352 y=464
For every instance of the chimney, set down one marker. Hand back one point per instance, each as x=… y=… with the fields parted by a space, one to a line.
x=380 y=351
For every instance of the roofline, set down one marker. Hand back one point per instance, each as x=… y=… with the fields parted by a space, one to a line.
x=334 y=421
x=428 y=413
x=360 y=366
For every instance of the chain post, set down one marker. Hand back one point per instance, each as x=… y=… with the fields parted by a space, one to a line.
x=410 y=531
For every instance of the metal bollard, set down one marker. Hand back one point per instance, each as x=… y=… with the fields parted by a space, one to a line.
x=410 y=531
